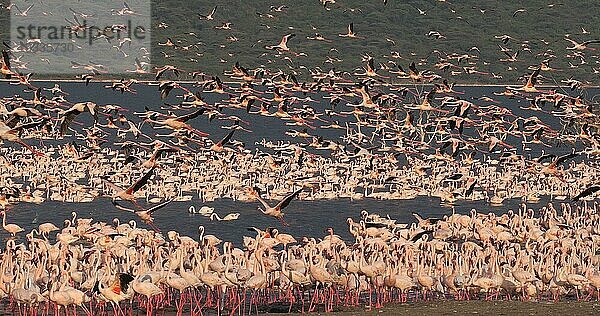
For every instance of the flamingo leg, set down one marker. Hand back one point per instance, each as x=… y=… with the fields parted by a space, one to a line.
x=37 y=153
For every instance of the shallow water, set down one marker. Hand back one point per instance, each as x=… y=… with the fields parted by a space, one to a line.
x=306 y=218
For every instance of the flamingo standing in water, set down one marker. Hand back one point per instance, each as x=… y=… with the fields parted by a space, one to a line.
x=12 y=229
x=228 y=217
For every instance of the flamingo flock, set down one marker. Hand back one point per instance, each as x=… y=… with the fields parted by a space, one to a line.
x=397 y=128
x=94 y=267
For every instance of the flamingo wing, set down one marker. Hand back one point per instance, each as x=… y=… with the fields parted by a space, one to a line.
x=564 y=158
x=533 y=78
x=227 y=137
x=286 y=201
x=187 y=117
x=122 y=208
x=141 y=182
x=159 y=206
x=589 y=191
x=68 y=118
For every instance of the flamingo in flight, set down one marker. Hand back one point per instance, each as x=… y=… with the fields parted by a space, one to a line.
x=275 y=211
x=128 y=194
x=144 y=215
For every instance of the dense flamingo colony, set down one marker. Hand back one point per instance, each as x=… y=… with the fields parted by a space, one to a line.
x=210 y=176
x=396 y=128
x=93 y=267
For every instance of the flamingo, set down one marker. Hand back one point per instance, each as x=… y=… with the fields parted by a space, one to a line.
x=128 y=194
x=12 y=229
x=282 y=46
x=275 y=211
x=69 y=115
x=228 y=217
x=11 y=134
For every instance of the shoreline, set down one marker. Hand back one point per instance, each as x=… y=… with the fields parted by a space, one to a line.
x=476 y=307
x=435 y=307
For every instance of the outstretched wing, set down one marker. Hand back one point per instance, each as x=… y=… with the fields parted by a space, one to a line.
x=286 y=201
x=6 y=59
x=190 y=116
x=121 y=283
x=160 y=72
x=122 y=208
x=68 y=118
x=30 y=125
x=110 y=183
x=371 y=64
x=572 y=41
x=227 y=137
x=413 y=68
x=564 y=158
x=533 y=77
x=544 y=157
x=159 y=206
x=141 y=182
x=65 y=122
x=589 y=191
x=430 y=95
x=256 y=194
x=590 y=42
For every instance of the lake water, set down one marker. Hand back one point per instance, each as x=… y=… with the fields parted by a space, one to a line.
x=306 y=218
